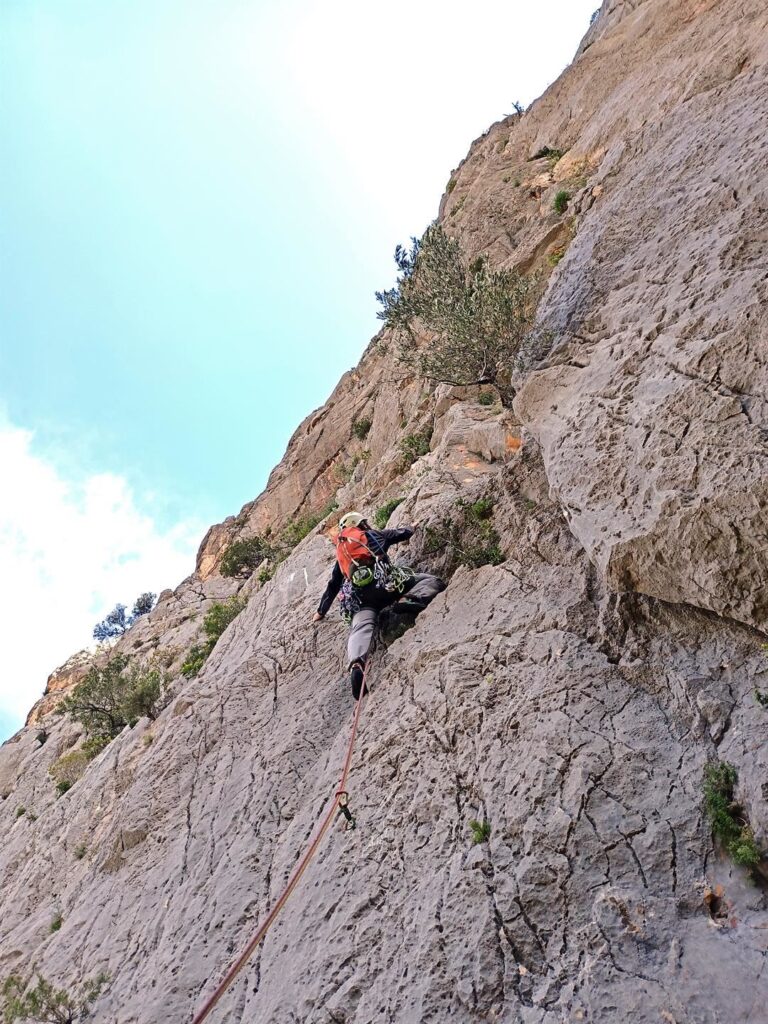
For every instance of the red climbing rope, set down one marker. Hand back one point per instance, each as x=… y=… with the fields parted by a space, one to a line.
x=298 y=871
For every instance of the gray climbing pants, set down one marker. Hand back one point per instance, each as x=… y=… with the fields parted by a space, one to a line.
x=424 y=588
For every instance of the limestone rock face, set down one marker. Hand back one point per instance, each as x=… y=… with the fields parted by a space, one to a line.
x=60 y=682
x=652 y=417
x=568 y=697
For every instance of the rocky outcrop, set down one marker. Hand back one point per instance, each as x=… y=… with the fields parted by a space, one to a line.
x=60 y=682
x=569 y=697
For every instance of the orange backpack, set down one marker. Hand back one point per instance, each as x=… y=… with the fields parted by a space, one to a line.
x=352 y=550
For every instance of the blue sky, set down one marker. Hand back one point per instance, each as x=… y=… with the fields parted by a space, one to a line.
x=197 y=202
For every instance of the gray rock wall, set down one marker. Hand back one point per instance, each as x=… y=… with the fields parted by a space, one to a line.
x=569 y=697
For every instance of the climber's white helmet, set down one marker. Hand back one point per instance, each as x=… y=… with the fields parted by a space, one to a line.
x=350 y=519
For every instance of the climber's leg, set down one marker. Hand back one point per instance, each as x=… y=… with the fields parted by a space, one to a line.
x=359 y=645
x=419 y=592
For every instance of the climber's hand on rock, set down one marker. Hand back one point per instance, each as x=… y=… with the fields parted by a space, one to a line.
x=317 y=617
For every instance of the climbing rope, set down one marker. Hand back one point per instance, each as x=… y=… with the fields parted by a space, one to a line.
x=340 y=802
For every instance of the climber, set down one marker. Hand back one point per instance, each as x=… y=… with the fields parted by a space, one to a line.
x=369 y=582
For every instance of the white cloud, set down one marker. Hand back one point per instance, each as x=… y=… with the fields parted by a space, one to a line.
x=69 y=550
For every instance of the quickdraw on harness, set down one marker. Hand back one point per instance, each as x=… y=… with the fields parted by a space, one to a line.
x=362 y=567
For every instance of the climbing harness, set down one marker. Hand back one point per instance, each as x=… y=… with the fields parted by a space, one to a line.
x=391 y=578
x=340 y=804
x=377 y=571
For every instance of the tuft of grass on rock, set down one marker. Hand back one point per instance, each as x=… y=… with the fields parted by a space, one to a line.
x=381 y=515
x=481 y=831
x=561 y=200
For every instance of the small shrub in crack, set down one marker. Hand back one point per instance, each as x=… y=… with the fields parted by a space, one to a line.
x=467 y=538
x=481 y=831
x=361 y=428
x=38 y=1000
x=56 y=922
x=761 y=698
x=413 y=446
x=554 y=257
x=295 y=531
x=561 y=200
x=481 y=509
x=69 y=767
x=381 y=515
x=553 y=155
x=729 y=826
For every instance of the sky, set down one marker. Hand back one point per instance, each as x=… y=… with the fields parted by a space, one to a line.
x=198 y=199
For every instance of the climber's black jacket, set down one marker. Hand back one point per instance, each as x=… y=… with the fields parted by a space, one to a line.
x=379 y=541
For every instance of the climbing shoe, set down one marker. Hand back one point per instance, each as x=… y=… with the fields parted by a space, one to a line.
x=356 y=676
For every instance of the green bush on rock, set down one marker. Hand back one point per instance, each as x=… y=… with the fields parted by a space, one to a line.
x=381 y=515
x=413 y=446
x=729 y=826
x=561 y=200
x=243 y=556
x=39 y=1001
x=113 y=696
x=477 y=318
x=361 y=428
x=215 y=621
x=467 y=537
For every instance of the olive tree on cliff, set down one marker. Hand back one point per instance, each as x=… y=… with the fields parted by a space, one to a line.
x=117 y=622
x=41 y=1001
x=114 y=695
x=478 y=318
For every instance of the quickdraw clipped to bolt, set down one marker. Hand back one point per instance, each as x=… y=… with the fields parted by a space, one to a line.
x=343 y=798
